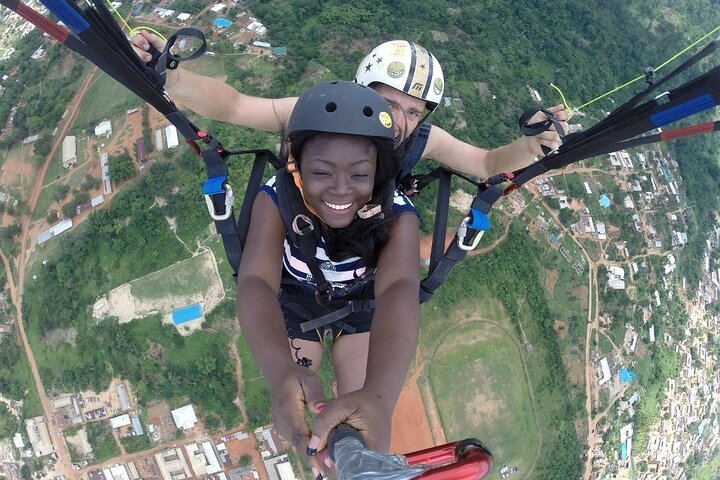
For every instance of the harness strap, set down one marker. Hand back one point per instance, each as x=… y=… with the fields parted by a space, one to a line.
x=303 y=231
x=353 y=306
x=343 y=308
x=416 y=146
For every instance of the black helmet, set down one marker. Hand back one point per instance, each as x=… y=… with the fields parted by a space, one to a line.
x=342 y=107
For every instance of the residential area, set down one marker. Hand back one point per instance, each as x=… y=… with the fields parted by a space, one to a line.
x=637 y=336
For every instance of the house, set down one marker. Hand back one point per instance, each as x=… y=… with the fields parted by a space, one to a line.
x=140 y=149
x=217 y=8
x=605 y=370
x=222 y=23
x=103 y=129
x=616 y=277
x=69 y=151
x=171 y=136
x=257 y=27
x=184 y=417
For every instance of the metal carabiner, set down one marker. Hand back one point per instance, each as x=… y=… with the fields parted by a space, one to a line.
x=229 y=203
x=462 y=233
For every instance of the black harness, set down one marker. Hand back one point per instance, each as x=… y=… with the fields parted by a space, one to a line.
x=97 y=37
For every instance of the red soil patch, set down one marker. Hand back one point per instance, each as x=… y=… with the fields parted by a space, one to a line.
x=410 y=425
x=426 y=245
x=237 y=448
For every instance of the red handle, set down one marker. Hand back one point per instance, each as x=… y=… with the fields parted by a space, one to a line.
x=464 y=460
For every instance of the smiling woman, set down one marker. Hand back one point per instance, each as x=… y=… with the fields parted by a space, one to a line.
x=348 y=246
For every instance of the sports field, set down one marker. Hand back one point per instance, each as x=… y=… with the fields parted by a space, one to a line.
x=194 y=280
x=480 y=388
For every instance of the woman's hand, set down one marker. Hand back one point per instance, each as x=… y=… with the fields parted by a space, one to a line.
x=361 y=410
x=292 y=392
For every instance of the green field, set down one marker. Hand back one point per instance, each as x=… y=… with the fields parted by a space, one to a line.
x=47 y=198
x=104 y=98
x=480 y=388
x=183 y=279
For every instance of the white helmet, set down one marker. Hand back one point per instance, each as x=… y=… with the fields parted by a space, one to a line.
x=405 y=66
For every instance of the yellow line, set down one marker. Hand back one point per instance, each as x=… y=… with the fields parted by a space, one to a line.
x=132 y=31
x=572 y=110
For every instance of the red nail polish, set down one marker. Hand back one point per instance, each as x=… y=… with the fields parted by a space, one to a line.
x=321 y=406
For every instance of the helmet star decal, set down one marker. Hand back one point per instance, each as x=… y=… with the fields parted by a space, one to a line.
x=404 y=66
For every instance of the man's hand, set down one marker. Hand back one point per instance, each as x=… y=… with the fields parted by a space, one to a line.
x=141 y=42
x=550 y=137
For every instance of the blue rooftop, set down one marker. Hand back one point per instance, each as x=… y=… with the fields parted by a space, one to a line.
x=605 y=201
x=626 y=375
x=187 y=314
x=222 y=22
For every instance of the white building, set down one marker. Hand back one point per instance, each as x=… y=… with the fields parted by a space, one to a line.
x=103 y=129
x=120 y=421
x=171 y=136
x=184 y=417
x=616 y=277
x=605 y=370
x=69 y=151
x=56 y=229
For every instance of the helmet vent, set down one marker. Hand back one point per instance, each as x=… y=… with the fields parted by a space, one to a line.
x=368 y=112
x=330 y=107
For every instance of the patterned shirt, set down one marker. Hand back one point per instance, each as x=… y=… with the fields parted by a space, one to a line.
x=338 y=273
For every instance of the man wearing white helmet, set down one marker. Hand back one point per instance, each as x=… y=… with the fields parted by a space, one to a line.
x=406 y=74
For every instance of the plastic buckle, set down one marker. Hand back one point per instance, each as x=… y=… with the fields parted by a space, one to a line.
x=477 y=221
x=324 y=294
x=215 y=186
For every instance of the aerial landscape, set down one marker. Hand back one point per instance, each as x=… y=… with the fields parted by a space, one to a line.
x=579 y=339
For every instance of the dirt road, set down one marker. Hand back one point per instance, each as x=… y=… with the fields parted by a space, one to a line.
x=63 y=465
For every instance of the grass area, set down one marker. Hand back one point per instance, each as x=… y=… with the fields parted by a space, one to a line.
x=81 y=150
x=255 y=389
x=77 y=176
x=55 y=169
x=103 y=443
x=709 y=471
x=45 y=201
x=215 y=244
x=104 y=98
x=21 y=188
x=136 y=444
x=480 y=388
x=188 y=278
x=435 y=321
x=206 y=65
x=606 y=346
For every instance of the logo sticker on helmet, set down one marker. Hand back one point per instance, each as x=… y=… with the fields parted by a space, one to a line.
x=438 y=86
x=396 y=70
x=385 y=119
